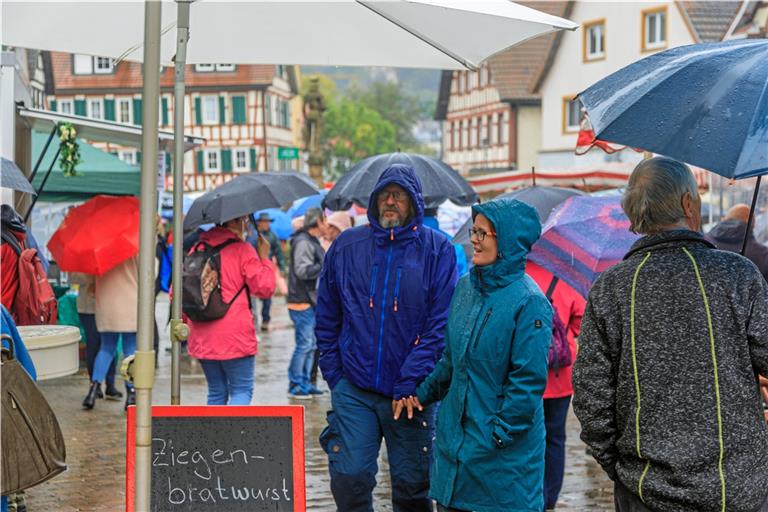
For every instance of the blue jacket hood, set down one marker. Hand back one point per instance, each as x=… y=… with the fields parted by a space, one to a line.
x=517 y=228
x=405 y=176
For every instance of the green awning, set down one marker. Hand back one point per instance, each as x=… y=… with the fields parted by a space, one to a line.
x=99 y=172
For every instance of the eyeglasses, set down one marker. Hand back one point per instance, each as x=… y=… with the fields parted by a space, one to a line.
x=397 y=195
x=480 y=234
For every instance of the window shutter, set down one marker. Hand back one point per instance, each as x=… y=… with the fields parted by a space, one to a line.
x=198 y=111
x=199 y=155
x=253 y=158
x=268 y=120
x=164 y=110
x=80 y=107
x=138 y=157
x=226 y=160
x=167 y=161
x=238 y=110
x=53 y=105
x=109 y=110
x=137 y=111
x=222 y=110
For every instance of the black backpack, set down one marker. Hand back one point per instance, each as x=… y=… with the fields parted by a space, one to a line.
x=201 y=297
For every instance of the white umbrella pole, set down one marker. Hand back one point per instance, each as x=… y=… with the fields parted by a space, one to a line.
x=179 y=330
x=144 y=364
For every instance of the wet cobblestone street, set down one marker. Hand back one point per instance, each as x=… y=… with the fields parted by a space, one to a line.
x=95 y=480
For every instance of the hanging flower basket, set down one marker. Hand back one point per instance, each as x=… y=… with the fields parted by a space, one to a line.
x=69 y=149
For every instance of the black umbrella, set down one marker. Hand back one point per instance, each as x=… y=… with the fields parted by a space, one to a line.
x=439 y=181
x=246 y=194
x=543 y=199
x=12 y=177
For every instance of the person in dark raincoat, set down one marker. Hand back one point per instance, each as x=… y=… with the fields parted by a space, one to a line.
x=489 y=449
x=382 y=305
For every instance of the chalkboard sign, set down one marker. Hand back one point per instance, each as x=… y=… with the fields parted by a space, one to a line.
x=223 y=458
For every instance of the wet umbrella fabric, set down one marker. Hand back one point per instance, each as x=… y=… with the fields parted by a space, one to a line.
x=246 y=194
x=97 y=236
x=543 y=199
x=11 y=177
x=300 y=206
x=704 y=104
x=440 y=182
x=582 y=238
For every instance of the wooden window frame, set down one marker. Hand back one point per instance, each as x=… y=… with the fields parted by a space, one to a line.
x=69 y=102
x=206 y=154
x=89 y=109
x=209 y=122
x=644 y=48
x=247 y=165
x=566 y=129
x=585 y=57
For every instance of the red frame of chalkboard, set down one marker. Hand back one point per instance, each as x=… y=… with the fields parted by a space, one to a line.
x=295 y=412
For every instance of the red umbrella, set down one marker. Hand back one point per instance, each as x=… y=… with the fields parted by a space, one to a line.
x=98 y=235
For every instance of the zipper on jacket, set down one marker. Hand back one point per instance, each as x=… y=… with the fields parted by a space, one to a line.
x=482 y=327
x=374 y=275
x=397 y=287
x=391 y=234
x=383 y=315
x=418 y=340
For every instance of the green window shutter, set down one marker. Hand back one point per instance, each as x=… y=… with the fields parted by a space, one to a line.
x=268 y=120
x=199 y=155
x=53 y=105
x=138 y=156
x=167 y=161
x=164 y=111
x=253 y=158
x=238 y=110
x=222 y=110
x=109 y=110
x=198 y=112
x=80 y=107
x=226 y=160
x=137 y=111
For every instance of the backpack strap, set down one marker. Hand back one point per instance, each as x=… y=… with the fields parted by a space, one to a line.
x=551 y=288
x=217 y=249
x=11 y=240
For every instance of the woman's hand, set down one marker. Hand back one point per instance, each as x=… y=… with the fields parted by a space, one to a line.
x=409 y=403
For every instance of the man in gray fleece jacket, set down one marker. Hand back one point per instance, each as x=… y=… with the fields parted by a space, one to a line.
x=671 y=341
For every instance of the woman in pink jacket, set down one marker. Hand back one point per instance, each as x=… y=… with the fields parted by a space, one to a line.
x=227 y=347
x=569 y=306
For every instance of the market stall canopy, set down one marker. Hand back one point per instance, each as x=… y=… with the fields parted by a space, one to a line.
x=442 y=34
x=100 y=131
x=98 y=173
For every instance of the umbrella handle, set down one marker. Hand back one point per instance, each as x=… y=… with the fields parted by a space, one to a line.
x=751 y=216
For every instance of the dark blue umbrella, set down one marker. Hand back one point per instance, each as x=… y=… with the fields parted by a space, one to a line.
x=705 y=104
x=439 y=181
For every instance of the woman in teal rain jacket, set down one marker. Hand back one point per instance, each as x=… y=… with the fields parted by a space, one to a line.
x=489 y=449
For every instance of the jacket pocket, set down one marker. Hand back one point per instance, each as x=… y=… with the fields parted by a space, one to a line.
x=480 y=331
x=372 y=289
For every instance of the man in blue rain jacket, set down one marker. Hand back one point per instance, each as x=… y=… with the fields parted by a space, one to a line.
x=382 y=307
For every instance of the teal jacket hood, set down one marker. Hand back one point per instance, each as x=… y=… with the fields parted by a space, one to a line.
x=517 y=228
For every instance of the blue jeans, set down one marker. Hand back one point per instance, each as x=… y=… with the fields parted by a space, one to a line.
x=301 y=361
x=107 y=352
x=230 y=381
x=356 y=424
x=265 y=305
x=555 y=414
x=92 y=345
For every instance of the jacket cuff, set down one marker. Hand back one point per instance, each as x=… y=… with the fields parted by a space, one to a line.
x=403 y=390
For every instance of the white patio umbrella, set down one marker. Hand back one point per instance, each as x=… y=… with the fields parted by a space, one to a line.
x=443 y=34
x=440 y=34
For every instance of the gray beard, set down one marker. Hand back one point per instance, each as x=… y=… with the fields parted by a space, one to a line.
x=389 y=223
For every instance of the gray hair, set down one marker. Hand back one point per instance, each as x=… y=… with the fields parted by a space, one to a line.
x=652 y=199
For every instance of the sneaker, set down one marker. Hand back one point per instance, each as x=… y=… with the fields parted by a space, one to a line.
x=314 y=390
x=298 y=393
